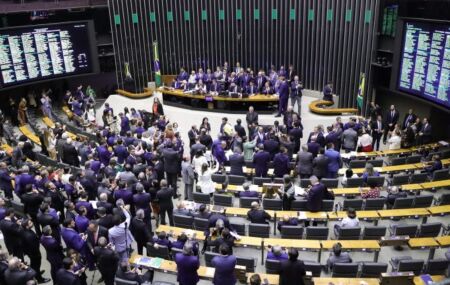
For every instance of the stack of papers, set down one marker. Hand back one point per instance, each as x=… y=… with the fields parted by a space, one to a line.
x=144 y=261
x=299 y=191
x=156 y=262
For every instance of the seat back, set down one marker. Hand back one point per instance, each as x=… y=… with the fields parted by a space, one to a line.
x=320 y=233
x=248 y=262
x=355 y=182
x=398 y=160
x=376 y=162
x=201 y=224
x=261 y=180
x=377 y=180
x=445 y=199
x=246 y=202
x=201 y=198
x=239 y=228
x=349 y=233
x=405 y=230
x=273 y=204
x=429 y=230
x=278 y=180
x=423 y=201
x=441 y=175
x=218 y=178
x=223 y=200
x=292 y=232
x=273 y=266
x=314 y=267
x=327 y=205
x=400 y=179
x=414 y=265
x=373 y=232
x=330 y=183
x=374 y=204
x=209 y=255
x=345 y=270
x=356 y=204
x=120 y=281
x=259 y=230
x=159 y=251
x=183 y=221
x=413 y=159
x=403 y=203
x=373 y=269
x=357 y=163
x=437 y=266
x=299 y=205
x=236 y=179
x=419 y=178
x=304 y=183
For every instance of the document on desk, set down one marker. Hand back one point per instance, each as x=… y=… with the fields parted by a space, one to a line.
x=426 y=278
x=210 y=271
x=156 y=262
x=300 y=191
x=144 y=261
x=302 y=215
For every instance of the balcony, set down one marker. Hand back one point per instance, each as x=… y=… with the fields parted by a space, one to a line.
x=16 y=6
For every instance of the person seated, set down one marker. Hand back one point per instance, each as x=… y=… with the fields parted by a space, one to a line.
x=276 y=253
x=251 y=89
x=223 y=190
x=203 y=212
x=287 y=221
x=134 y=275
x=234 y=89
x=162 y=240
x=192 y=80
x=200 y=88
x=214 y=88
x=181 y=241
x=257 y=215
x=255 y=279
x=348 y=222
x=337 y=256
x=436 y=164
x=267 y=89
x=394 y=192
x=179 y=85
x=369 y=172
x=328 y=92
x=225 y=238
x=271 y=194
x=181 y=209
x=373 y=192
x=247 y=192
x=348 y=174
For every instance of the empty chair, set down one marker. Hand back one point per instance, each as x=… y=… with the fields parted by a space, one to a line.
x=348 y=233
x=403 y=203
x=356 y=204
x=345 y=270
x=445 y=154
x=183 y=221
x=261 y=180
x=440 y=175
x=373 y=232
x=330 y=183
x=218 y=178
x=273 y=266
x=320 y=233
x=376 y=180
x=259 y=230
x=355 y=182
x=444 y=199
x=374 y=204
x=239 y=228
x=413 y=159
x=314 y=267
x=327 y=205
x=419 y=178
x=403 y=230
x=304 y=183
x=248 y=262
x=436 y=267
x=356 y=163
x=376 y=162
x=398 y=160
x=120 y=281
x=429 y=230
x=223 y=200
x=201 y=198
x=201 y=224
x=160 y=251
x=292 y=232
x=373 y=269
x=400 y=179
x=406 y=263
x=423 y=201
x=236 y=179
x=273 y=204
x=299 y=205
x=246 y=202
x=278 y=180
x=209 y=255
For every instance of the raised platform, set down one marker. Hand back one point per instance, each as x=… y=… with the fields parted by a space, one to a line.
x=317 y=107
x=147 y=93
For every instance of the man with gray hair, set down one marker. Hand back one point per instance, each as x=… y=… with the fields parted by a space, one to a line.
x=257 y=215
x=18 y=272
x=276 y=253
x=247 y=192
x=70 y=153
x=187 y=265
x=107 y=260
x=140 y=230
x=315 y=195
x=237 y=162
x=304 y=162
x=187 y=173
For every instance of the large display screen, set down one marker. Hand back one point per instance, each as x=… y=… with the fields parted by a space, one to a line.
x=425 y=61
x=42 y=52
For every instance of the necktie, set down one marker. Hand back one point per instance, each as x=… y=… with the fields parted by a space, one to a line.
x=392 y=116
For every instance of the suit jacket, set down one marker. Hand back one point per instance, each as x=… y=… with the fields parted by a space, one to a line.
x=11 y=234
x=54 y=250
x=296 y=89
x=240 y=130
x=272 y=147
x=67 y=277
x=19 y=277
x=32 y=202
x=349 y=139
x=187 y=173
x=107 y=260
x=164 y=197
x=70 y=155
x=236 y=163
x=375 y=130
x=258 y=216
x=392 y=119
x=91 y=241
x=140 y=231
x=334 y=160
x=187 y=267
x=171 y=160
x=192 y=136
x=320 y=166
x=224 y=273
x=304 y=163
x=106 y=221
x=120 y=236
x=251 y=118
x=73 y=239
x=408 y=120
x=5 y=180
x=121 y=152
x=315 y=197
x=30 y=243
x=281 y=164
x=292 y=272
x=261 y=161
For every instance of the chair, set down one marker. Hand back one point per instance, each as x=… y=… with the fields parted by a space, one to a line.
x=246 y=202
x=429 y=230
x=376 y=162
x=327 y=205
x=445 y=154
x=423 y=201
x=201 y=198
x=248 y=262
x=304 y=183
x=419 y=178
x=19 y=208
x=373 y=269
x=349 y=233
x=373 y=232
x=403 y=203
x=183 y=221
x=292 y=232
x=436 y=266
x=356 y=204
x=403 y=230
x=400 y=179
x=299 y=205
x=236 y=179
x=249 y=164
x=120 y=281
x=174 y=252
x=314 y=267
x=355 y=182
x=278 y=180
x=357 y=163
x=223 y=200
x=201 y=224
x=160 y=251
x=273 y=204
x=349 y=270
x=374 y=204
x=444 y=199
x=218 y=178
x=261 y=180
x=406 y=263
x=330 y=183
x=377 y=180
x=398 y=160
x=239 y=228
x=273 y=266
x=440 y=175
x=320 y=233
x=413 y=159
x=209 y=255
x=259 y=230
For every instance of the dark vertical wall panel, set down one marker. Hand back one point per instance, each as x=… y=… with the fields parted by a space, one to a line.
x=325 y=40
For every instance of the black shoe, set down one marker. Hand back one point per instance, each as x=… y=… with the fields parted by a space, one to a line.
x=44 y=280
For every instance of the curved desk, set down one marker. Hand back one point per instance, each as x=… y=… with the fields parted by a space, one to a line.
x=147 y=93
x=316 y=107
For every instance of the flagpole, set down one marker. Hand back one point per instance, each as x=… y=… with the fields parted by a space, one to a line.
x=156 y=64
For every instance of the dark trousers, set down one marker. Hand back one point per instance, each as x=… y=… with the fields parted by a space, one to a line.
x=54 y=267
x=376 y=141
x=172 y=181
x=140 y=247
x=282 y=105
x=162 y=215
x=35 y=264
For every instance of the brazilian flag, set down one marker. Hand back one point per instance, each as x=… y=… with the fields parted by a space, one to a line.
x=156 y=64
x=360 y=97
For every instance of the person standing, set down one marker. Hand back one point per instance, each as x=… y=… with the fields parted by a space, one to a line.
x=283 y=96
x=172 y=165
x=18 y=273
x=53 y=249
x=328 y=92
x=140 y=231
x=292 y=270
x=224 y=265
x=120 y=235
x=187 y=173
x=296 y=93
x=261 y=161
x=66 y=275
x=304 y=162
x=391 y=120
x=22 y=112
x=12 y=233
x=377 y=127
x=187 y=266
x=164 y=196
x=107 y=260
x=334 y=161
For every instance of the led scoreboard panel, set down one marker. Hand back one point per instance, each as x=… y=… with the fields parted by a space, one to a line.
x=34 y=53
x=425 y=61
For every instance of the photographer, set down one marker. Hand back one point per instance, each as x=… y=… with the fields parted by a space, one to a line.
x=18 y=273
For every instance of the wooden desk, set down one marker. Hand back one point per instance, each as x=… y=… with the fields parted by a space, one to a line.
x=385 y=169
x=301 y=244
x=436 y=184
x=49 y=123
x=147 y=93
x=29 y=134
x=412 y=187
x=404 y=213
x=352 y=245
x=436 y=278
x=345 y=281
x=439 y=210
x=362 y=215
x=347 y=191
x=444 y=241
x=254 y=98
x=242 y=212
x=234 y=188
x=316 y=107
x=424 y=243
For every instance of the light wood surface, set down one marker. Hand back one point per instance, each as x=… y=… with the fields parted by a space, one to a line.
x=444 y=241
x=316 y=107
x=352 y=244
x=415 y=243
x=339 y=215
x=25 y=129
x=49 y=123
x=403 y=213
x=436 y=278
x=439 y=210
x=254 y=98
x=436 y=184
x=345 y=281
x=147 y=93
x=302 y=244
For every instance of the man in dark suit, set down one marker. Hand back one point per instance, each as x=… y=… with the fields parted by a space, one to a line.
x=409 y=119
x=239 y=129
x=5 y=180
x=296 y=93
x=12 y=233
x=261 y=161
x=425 y=132
x=304 y=162
x=104 y=219
x=70 y=154
x=53 y=249
x=283 y=96
x=328 y=92
x=164 y=197
x=103 y=203
x=107 y=260
x=320 y=165
x=193 y=134
x=94 y=232
x=251 y=89
x=260 y=81
x=46 y=219
x=197 y=147
x=258 y=216
x=292 y=270
x=374 y=110
x=271 y=145
x=315 y=195
x=140 y=230
x=391 y=119
x=32 y=200
x=18 y=272
x=296 y=134
x=66 y=275
x=281 y=163
x=172 y=164
x=124 y=272
x=30 y=244
x=187 y=265
x=377 y=127
x=251 y=117
x=236 y=162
